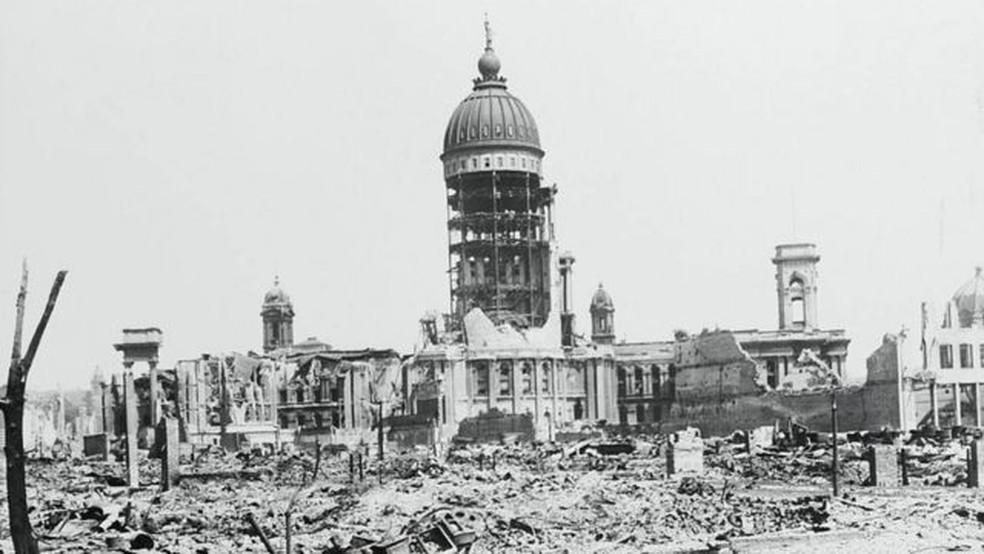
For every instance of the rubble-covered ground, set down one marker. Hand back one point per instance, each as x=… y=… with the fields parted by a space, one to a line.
x=515 y=498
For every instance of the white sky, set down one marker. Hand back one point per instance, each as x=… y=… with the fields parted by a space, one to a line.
x=175 y=155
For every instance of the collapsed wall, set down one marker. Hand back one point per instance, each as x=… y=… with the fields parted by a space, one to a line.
x=717 y=390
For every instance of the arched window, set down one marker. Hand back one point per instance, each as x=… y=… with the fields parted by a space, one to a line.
x=505 y=379
x=797 y=310
x=622 y=385
x=654 y=369
x=639 y=385
x=546 y=377
x=480 y=376
x=527 y=378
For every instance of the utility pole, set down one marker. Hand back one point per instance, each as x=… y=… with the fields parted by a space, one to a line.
x=834 y=466
x=900 y=370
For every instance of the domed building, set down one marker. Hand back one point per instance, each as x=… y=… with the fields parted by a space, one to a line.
x=504 y=358
x=952 y=347
x=968 y=302
x=278 y=318
x=499 y=222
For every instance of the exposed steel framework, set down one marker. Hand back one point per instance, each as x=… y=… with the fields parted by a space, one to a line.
x=499 y=234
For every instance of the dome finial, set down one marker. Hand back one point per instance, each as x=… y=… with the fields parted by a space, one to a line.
x=276 y=280
x=488 y=64
x=488 y=33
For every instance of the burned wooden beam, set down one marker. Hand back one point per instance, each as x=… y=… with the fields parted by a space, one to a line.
x=22 y=534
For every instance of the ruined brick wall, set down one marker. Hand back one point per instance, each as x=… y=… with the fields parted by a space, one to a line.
x=716 y=391
x=726 y=415
x=712 y=367
x=493 y=425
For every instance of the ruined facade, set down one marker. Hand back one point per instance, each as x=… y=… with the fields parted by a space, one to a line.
x=655 y=377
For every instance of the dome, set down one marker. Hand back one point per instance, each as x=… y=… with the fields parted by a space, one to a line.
x=969 y=300
x=276 y=295
x=490 y=116
x=601 y=300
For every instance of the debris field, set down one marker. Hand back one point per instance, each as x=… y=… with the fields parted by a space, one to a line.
x=591 y=496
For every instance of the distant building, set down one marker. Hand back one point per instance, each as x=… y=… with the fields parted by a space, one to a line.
x=947 y=391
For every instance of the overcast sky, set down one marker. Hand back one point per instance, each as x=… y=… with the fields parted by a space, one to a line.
x=175 y=155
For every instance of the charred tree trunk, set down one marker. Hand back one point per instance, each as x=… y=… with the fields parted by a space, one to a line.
x=13 y=411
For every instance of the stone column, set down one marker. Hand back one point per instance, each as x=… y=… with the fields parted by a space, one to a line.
x=493 y=369
x=347 y=381
x=975 y=464
x=515 y=375
x=130 y=404
x=274 y=396
x=977 y=404
x=170 y=460
x=590 y=389
x=934 y=403
x=155 y=413
x=537 y=383
x=106 y=413
x=957 y=408
x=554 y=380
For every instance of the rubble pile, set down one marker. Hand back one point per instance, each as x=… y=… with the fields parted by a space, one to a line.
x=931 y=462
x=801 y=465
x=589 y=496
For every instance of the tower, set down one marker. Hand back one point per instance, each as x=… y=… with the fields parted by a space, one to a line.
x=602 y=317
x=796 y=284
x=278 y=318
x=499 y=214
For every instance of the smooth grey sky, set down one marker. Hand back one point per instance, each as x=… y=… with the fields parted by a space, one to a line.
x=175 y=155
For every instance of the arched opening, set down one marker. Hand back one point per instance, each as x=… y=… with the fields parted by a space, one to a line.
x=527 y=378
x=505 y=379
x=639 y=385
x=481 y=379
x=797 y=315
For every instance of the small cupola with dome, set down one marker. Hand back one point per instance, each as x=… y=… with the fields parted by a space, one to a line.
x=278 y=318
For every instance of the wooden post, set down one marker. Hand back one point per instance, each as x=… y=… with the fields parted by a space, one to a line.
x=934 y=403
x=132 y=425
x=170 y=460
